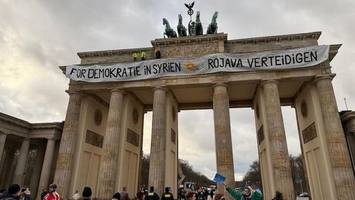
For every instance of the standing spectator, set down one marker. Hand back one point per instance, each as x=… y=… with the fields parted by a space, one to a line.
x=167 y=195
x=181 y=193
x=152 y=195
x=27 y=194
x=13 y=193
x=247 y=194
x=76 y=195
x=43 y=194
x=200 y=194
x=52 y=194
x=86 y=193
x=140 y=194
x=116 y=196
x=278 y=196
x=191 y=196
x=124 y=194
x=2 y=193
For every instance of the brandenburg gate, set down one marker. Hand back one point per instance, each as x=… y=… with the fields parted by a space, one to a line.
x=110 y=91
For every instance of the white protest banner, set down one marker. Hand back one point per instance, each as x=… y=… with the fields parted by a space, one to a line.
x=212 y=63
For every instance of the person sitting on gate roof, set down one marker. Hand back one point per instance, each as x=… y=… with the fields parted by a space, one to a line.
x=142 y=55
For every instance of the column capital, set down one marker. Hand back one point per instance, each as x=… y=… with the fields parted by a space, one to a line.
x=160 y=87
x=323 y=77
x=269 y=81
x=54 y=138
x=3 y=133
x=117 y=90
x=70 y=92
x=222 y=84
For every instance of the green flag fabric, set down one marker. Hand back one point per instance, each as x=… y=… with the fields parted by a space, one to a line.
x=237 y=195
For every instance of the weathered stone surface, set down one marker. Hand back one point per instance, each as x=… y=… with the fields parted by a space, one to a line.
x=67 y=147
x=2 y=144
x=337 y=147
x=223 y=138
x=108 y=168
x=21 y=162
x=158 y=145
x=46 y=166
x=277 y=140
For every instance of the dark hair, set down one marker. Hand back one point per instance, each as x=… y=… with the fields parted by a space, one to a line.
x=116 y=196
x=13 y=189
x=54 y=186
x=218 y=197
x=151 y=189
x=190 y=195
x=87 y=192
x=278 y=196
x=167 y=189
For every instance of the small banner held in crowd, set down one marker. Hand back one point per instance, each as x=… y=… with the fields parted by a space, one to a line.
x=219 y=178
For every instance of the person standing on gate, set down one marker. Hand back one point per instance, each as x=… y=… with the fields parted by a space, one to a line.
x=151 y=195
x=52 y=194
x=167 y=195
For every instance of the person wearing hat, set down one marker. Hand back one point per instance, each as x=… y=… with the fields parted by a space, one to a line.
x=152 y=195
x=13 y=193
x=167 y=195
x=52 y=194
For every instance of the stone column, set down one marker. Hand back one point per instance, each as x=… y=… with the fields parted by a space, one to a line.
x=2 y=144
x=67 y=148
x=280 y=162
x=46 y=167
x=21 y=162
x=223 y=138
x=158 y=144
x=109 y=162
x=338 y=153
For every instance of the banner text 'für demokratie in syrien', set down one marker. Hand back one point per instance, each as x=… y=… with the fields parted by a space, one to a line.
x=212 y=63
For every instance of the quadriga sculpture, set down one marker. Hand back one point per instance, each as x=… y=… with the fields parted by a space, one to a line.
x=181 y=28
x=212 y=27
x=199 y=28
x=169 y=32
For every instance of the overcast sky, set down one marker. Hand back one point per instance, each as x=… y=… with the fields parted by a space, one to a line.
x=38 y=36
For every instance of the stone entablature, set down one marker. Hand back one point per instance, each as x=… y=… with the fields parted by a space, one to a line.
x=194 y=46
x=21 y=128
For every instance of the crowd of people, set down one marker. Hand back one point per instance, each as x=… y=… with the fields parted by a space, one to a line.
x=15 y=192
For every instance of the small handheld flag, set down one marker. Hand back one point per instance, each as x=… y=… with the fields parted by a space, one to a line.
x=219 y=178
